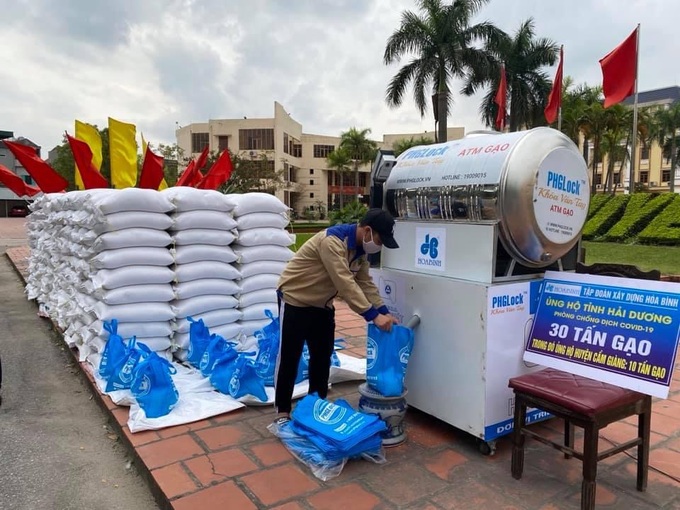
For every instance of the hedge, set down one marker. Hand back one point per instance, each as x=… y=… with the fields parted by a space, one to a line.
x=665 y=228
x=641 y=208
x=596 y=203
x=607 y=216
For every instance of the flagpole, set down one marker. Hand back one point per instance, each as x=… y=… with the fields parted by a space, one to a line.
x=559 y=110
x=633 y=156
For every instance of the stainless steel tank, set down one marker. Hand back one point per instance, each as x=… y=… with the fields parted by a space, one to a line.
x=533 y=183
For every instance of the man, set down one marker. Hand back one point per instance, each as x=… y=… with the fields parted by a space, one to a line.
x=333 y=262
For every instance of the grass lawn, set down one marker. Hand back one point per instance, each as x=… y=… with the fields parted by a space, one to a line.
x=664 y=258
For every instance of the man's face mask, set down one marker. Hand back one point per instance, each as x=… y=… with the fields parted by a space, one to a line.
x=370 y=246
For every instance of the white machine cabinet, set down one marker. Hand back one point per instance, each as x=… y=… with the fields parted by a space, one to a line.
x=478 y=221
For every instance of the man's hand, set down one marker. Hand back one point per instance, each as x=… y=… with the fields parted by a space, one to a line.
x=384 y=322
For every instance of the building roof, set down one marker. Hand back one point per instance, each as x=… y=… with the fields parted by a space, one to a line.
x=667 y=94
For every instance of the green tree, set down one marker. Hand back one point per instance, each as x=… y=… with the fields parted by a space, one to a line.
x=615 y=141
x=249 y=173
x=668 y=122
x=339 y=161
x=444 y=43
x=406 y=143
x=66 y=167
x=360 y=149
x=524 y=57
x=173 y=157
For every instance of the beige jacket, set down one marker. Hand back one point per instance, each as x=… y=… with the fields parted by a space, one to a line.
x=331 y=264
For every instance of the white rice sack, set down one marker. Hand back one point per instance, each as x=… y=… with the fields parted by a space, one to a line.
x=206 y=269
x=211 y=319
x=263 y=266
x=204 y=236
x=129 y=199
x=137 y=256
x=206 y=286
x=132 y=219
x=248 y=254
x=156 y=343
x=134 y=275
x=262 y=220
x=130 y=329
x=200 y=252
x=250 y=327
x=131 y=237
x=227 y=331
x=247 y=203
x=265 y=236
x=190 y=199
x=200 y=304
x=203 y=219
x=257 y=311
x=259 y=282
x=257 y=296
x=159 y=292
x=148 y=312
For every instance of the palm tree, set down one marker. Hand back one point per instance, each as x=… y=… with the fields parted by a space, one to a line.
x=668 y=121
x=528 y=85
x=406 y=143
x=443 y=43
x=360 y=150
x=615 y=141
x=339 y=161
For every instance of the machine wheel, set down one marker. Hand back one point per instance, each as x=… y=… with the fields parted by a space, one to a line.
x=486 y=447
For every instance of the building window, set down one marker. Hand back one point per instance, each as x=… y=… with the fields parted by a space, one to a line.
x=285 y=143
x=28 y=179
x=644 y=177
x=199 y=141
x=617 y=178
x=644 y=153
x=256 y=139
x=222 y=143
x=311 y=171
x=598 y=178
x=311 y=182
x=297 y=150
x=311 y=195
x=665 y=175
x=322 y=151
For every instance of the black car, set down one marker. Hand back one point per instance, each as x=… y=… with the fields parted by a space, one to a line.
x=18 y=211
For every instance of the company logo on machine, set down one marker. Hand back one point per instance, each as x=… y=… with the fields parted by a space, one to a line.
x=389 y=290
x=426 y=153
x=561 y=182
x=430 y=248
x=509 y=302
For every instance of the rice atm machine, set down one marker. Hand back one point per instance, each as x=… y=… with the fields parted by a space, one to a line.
x=478 y=221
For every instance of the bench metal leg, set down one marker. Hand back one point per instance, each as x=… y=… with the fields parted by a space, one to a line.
x=589 y=485
x=644 y=428
x=517 y=463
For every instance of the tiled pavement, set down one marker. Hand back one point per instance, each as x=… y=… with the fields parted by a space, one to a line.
x=232 y=461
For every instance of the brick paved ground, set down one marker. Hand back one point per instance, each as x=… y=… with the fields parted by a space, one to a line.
x=231 y=461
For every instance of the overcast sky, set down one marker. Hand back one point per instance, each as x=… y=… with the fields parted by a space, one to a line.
x=156 y=63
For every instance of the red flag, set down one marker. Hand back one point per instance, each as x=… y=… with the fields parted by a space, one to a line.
x=500 y=100
x=188 y=175
x=555 y=97
x=152 y=170
x=619 y=71
x=16 y=183
x=82 y=154
x=47 y=179
x=198 y=177
x=200 y=162
x=219 y=173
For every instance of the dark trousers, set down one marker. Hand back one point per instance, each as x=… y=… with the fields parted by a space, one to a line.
x=317 y=327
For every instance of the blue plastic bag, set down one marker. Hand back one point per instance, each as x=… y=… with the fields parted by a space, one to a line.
x=268 y=340
x=238 y=377
x=387 y=358
x=121 y=379
x=153 y=387
x=199 y=338
x=114 y=350
x=217 y=349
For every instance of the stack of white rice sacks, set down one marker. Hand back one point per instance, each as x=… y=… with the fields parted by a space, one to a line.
x=101 y=255
x=205 y=275
x=263 y=249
